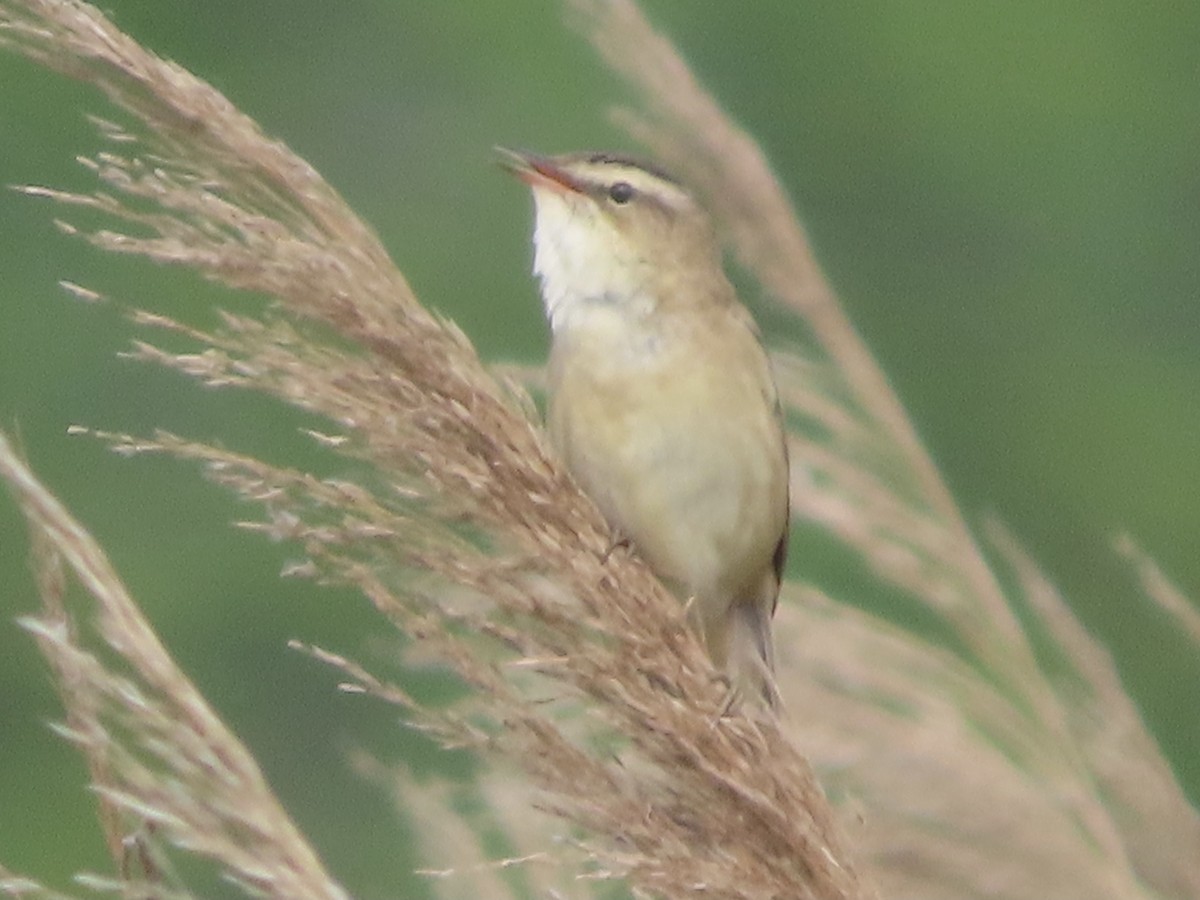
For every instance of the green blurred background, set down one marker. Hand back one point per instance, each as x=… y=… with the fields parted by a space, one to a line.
x=1007 y=197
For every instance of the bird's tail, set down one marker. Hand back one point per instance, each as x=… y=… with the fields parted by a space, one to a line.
x=750 y=663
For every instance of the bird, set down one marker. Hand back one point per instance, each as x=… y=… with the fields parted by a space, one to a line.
x=661 y=399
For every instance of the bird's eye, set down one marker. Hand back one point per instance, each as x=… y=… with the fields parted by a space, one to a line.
x=621 y=193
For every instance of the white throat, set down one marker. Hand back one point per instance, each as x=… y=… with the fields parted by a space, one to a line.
x=580 y=275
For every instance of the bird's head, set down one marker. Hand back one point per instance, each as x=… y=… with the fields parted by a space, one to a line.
x=613 y=229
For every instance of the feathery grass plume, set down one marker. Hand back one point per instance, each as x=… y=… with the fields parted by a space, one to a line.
x=968 y=761
x=160 y=758
x=1159 y=588
x=454 y=847
x=13 y=885
x=1160 y=829
x=699 y=799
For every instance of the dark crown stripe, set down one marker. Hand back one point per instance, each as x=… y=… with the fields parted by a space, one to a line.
x=619 y=159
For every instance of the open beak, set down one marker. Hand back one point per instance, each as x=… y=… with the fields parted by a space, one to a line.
x=538 y=171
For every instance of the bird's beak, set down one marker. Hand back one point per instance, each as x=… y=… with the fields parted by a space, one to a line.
x=538 y=171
